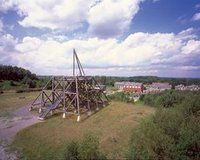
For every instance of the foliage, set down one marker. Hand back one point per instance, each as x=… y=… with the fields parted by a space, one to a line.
x=15 y=73
x=122 y=96
x=88 y=148
x=72 y=150
x=168 y=98
x=109 y=81
x=28 y=90
x=5 y=85
x=17 y=78
x=173 y=132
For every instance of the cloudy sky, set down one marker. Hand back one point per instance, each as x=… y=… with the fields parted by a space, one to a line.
x=111 y=37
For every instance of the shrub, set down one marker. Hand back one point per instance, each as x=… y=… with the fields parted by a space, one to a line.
x=190 y=106
x=5 y=85
x=121 y=96
x=166 y=99
x=28 y=90
x=169 y=120
x=20 y=91
x=12 y=83
x=173 y=132
x=188 y=145
x=88 y=148
x=72 y=150
x=32 y=84
x=150 y=142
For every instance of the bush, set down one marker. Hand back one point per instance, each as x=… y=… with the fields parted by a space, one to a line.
x=169 y=120
x=188 y=145
x=28 y=90
x=12 y=83
x=20 y=91
x=167 y=99
x=190 y=106
x=5 y=85
x=32 y=84
x=150 y=142
x=122 y=96
x=72 y=150
x=88 y=148
x=173 y=132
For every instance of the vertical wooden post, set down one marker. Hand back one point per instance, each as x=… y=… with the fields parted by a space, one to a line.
x=74 y=62
x=77 y=100
x=53 y=90
x=88 y=103
x=64 y=96
x=42 y=102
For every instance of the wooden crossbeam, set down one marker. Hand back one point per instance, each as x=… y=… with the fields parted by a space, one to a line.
x=78 y=92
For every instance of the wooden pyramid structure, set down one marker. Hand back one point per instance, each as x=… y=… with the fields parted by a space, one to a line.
x=74 y=94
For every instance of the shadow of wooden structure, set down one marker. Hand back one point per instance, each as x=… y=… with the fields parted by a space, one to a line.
x=71 y=94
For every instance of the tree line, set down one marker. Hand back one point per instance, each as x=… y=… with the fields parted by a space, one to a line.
x=15 y=73
x=108 y=80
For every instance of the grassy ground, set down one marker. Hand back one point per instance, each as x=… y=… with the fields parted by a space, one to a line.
x=113 y=125
x=10 y=101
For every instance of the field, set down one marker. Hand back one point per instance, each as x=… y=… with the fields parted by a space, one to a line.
x=112 y=124
x=10 y=101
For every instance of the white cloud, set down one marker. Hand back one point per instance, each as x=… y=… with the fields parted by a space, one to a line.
x=7 y=4
x=196 y=17
x=106 y=18
x=109 y=18
x=191 y=47
x=29 y=44
x=53 y=14
x=7 y=49
x=139 y=54
x=1 y=26
x=189 y=33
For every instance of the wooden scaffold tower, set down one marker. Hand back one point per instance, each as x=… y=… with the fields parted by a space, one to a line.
x=71 y=94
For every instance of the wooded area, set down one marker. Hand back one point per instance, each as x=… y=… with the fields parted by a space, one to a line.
x=108 y=80
x=15 y=73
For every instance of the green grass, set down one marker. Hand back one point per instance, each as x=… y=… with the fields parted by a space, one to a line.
x=5 y=85
x=10 y=101
x=112 y=124
x=139 y=102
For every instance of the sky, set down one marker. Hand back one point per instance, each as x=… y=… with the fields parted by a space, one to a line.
x=111 y=37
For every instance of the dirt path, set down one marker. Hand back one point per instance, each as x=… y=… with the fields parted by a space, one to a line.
x=9 y=127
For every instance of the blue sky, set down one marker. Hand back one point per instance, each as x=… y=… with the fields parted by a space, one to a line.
x=112 y=37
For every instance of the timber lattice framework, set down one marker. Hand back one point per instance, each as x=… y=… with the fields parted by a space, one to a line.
x=71 y=94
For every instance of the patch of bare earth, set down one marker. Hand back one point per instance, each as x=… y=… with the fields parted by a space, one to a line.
x=9 y=126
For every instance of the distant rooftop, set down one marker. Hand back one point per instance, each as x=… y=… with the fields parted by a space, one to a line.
x=128 y=83
x=160 y=85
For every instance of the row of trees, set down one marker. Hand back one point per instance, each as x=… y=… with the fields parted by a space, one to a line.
x=173 y=132
x=107 y=80
x=15 y=73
